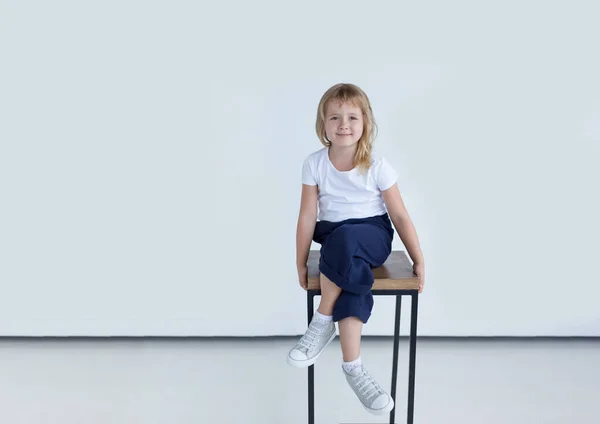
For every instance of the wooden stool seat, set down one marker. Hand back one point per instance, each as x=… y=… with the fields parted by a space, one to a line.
x=394 y=278
x=395 y=274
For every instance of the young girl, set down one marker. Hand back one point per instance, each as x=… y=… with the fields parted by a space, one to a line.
x=356 y=194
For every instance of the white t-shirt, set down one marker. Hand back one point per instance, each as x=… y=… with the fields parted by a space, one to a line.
x=345 y=195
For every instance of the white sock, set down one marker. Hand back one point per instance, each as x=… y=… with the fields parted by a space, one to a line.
x=352 y=366
x=324 y=318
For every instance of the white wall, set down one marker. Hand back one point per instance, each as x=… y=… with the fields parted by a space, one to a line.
x=150 y=160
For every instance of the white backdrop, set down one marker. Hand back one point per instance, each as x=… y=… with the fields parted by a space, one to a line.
x=151 y=152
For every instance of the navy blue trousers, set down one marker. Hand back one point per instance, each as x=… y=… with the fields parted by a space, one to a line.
x=350 y=249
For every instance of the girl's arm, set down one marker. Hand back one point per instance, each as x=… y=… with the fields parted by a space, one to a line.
x=403 y=223
x=307 y=220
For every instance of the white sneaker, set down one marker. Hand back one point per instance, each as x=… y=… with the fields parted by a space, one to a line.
x=373 y=398
x=310 y=346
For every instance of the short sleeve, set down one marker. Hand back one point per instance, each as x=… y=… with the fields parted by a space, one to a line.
x=308 y=176
x=386 y=175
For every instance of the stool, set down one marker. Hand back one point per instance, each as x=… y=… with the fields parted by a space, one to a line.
x=394 y=278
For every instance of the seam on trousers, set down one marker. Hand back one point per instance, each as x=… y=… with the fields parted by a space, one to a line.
x=330 y=272
x=352 y=288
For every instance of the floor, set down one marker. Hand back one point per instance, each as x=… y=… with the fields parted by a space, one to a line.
x=233 y=381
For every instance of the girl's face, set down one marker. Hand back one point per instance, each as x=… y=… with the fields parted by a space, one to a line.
x=343 y=123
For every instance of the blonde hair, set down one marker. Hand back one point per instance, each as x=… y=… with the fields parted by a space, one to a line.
x=345 y=92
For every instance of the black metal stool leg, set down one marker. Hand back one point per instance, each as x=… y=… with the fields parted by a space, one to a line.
x=412 y=356
x=395 y=356
x=311 y=369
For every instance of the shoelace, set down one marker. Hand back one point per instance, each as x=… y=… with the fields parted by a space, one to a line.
x=367 y=386
x=311 y=336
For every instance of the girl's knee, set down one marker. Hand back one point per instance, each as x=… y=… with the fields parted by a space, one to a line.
x=341 y=241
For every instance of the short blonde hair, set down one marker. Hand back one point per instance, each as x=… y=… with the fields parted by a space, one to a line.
x=345 y=92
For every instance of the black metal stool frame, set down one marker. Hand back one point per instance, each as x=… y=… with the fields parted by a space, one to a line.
x=412 y=351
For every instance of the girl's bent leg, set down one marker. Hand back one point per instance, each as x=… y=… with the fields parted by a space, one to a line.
x=320 y=332
x=329 y=295
x=350 y=329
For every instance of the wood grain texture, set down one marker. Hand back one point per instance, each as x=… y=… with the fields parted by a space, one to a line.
x=395 y=274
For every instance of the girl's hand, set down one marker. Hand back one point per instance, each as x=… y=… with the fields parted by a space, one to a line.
x=419 y=271
x=303 y=276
